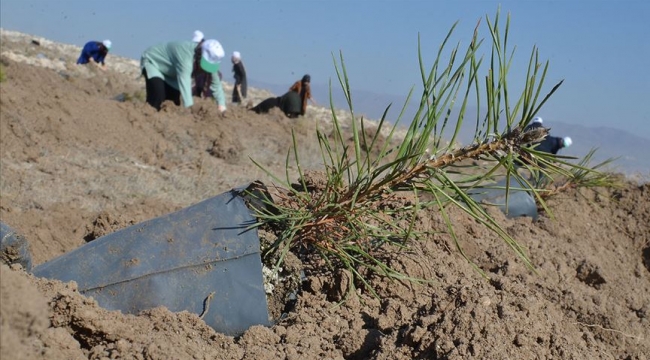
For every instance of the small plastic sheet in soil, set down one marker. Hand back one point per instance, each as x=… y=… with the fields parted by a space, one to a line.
x=520 y=200
x=14 y=248
x=204 y=259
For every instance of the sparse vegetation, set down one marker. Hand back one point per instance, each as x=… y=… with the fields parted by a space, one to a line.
x=366 y=205
x=136 y=96
x=2 y=73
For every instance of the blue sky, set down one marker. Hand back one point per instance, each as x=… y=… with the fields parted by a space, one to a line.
x=600 y=48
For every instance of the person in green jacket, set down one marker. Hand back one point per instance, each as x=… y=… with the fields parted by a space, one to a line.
x=167 y=69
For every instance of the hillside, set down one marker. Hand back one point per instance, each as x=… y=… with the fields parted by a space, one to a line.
x=79 y=159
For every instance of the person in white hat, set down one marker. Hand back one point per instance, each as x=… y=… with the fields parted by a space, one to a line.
x=202 y=79
x=553 y=144
x=197 y=37
x=537 y=122
x=239 y=72
x=95 y=52
x=550 y=144
x=168 y=68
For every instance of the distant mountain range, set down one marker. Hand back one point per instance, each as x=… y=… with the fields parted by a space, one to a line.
x=630 y=149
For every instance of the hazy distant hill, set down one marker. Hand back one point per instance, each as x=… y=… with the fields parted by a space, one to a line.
x=629 y=148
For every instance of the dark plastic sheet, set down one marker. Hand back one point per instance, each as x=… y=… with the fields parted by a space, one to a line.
x=177 y=261
x=14 y=248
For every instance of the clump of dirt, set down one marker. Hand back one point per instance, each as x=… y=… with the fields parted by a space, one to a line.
x=283 y=281
x=646 y=256
x=106 y=223
x=227 y=148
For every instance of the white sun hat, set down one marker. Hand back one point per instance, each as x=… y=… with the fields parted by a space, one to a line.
x=211 y=54
x=198 y=36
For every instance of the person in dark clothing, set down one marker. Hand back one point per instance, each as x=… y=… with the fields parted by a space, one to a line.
x=303 y=88
x=289 y=103
x=198 y=37
x=95 y=51
x=202 y=79
x=266 y=105
x=553 y=144
x=536 y=123
x=202 y=82
x=550 y=144
x=241 y=85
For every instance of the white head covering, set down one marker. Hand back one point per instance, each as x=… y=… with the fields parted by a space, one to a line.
x=198 y=36
x=236 y=55
x=567 y=141
x=538 y=119
x=211 y=54
x=107 y=43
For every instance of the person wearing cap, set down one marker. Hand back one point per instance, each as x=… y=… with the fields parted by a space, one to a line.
x=202 y=79
x=198 y=36
x=95 y=51
x=550 y=144
x=303 y=88
x=168 y=70
x=239 y=72
x=536 y=123
x=553 y=144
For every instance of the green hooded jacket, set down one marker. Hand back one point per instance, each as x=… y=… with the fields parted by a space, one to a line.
x=173 y=62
